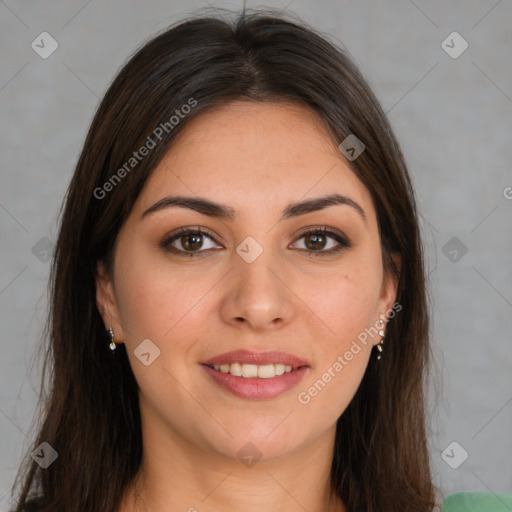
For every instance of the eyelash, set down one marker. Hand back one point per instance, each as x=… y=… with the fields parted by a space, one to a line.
x=343 y=242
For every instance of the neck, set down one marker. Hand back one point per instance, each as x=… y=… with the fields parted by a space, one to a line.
x=178 y=475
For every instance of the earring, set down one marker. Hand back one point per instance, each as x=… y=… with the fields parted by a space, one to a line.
x=112 y=345
x=381 y=333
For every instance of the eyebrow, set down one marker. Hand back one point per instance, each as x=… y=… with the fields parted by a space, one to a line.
x=220 y=211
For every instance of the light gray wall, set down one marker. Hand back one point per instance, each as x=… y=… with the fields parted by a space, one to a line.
x=453 y=117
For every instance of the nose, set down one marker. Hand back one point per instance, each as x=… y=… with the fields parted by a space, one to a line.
x=258 y=296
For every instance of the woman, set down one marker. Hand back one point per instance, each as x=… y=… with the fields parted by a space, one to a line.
x=242 y=224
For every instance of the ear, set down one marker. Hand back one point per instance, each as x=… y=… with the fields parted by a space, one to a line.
x=388 y=291
x=106 y=301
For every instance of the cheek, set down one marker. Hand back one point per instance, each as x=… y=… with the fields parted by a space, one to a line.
x=164 y=304
x=156 y=300
x=349 y=307
x=347 y=304
x=346 y=301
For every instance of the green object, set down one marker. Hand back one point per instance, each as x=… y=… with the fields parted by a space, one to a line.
x=477 y=502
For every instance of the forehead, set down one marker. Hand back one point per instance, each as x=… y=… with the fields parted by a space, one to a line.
x=248 y=153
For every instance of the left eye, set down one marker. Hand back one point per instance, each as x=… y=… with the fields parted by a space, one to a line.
x=315 y=240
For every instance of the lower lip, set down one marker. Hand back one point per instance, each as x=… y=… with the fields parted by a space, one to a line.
x=257 y=389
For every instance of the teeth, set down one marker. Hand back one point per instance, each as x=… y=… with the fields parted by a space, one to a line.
x=250 y=371
x=266 y=371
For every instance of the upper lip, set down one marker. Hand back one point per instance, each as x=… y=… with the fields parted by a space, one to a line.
x=256 y=357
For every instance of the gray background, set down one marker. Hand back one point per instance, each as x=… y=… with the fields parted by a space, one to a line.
x=453 y=117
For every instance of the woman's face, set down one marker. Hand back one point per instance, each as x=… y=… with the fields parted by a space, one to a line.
x=248 y=283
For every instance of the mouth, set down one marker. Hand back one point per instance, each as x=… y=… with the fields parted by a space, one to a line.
x=254 y=371
x=256 y=375
x=255 y=364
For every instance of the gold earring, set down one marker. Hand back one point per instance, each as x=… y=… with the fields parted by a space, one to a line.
x=381 y=333
x=112 y=345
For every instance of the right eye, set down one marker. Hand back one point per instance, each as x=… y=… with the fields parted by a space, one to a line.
x=188 y=240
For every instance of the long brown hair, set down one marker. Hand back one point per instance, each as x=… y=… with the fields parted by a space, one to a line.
x=90 y=416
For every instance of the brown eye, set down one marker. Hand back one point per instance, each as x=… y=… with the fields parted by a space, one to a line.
x=316 y=240
x=189 y=242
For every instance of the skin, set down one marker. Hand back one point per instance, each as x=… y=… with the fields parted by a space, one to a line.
x=255 y=158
